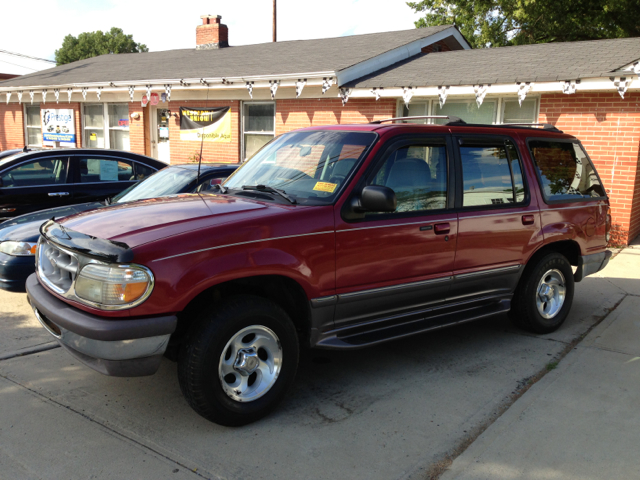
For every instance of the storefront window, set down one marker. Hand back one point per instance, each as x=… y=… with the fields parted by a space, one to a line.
x=33 y=125
x=492 y=110
x=259 y=126
x=106 y=125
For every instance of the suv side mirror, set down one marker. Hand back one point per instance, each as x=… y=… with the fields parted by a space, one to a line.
x=375 y=198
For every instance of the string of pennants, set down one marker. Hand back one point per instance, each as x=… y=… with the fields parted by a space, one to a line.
x=569 y=87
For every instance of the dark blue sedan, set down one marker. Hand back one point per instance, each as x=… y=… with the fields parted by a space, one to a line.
x=18 y=236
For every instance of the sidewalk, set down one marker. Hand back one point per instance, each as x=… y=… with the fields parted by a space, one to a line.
x=582 y=419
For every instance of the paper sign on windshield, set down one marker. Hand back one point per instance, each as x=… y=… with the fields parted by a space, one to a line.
x=325 y=187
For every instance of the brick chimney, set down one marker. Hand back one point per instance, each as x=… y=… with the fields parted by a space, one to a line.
x=211 y=34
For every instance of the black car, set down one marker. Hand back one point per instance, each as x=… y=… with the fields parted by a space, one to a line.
x=18 y=236
x=33 y=181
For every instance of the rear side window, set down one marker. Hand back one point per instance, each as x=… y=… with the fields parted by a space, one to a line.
x=490 y=176
x=565 y=171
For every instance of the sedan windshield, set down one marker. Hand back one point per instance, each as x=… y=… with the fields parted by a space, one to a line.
x=309 y=167
x=168 y=181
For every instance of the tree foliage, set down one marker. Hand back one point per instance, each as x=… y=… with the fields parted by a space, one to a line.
x=496 y=23
x=92 y=44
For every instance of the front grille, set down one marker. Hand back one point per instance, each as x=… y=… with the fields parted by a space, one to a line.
x=56 y=267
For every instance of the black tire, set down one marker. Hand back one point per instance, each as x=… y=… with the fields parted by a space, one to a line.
x=525 y=311
x=200 y=361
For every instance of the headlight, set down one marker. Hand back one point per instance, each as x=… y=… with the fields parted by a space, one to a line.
x=114 y=285
x=18 y=249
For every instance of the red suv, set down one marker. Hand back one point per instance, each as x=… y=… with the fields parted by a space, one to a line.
x=330 y=237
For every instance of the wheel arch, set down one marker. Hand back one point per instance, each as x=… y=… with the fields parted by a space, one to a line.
x=284 y=291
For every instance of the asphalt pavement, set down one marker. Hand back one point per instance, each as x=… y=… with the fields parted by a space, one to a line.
x=399 y=410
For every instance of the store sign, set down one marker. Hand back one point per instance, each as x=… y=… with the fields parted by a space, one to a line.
x=145 y=101
x=155 y=98
x=205 y=124
x=59 y=126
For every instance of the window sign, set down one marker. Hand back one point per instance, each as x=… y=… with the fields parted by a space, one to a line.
x=59 y=126
x=108 y=170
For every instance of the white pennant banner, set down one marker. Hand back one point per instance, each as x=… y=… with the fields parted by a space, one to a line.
x=56 y=93
x=621 y=84
x=570 y=86
x=167 y=90
x=69 y=92
x=273 y=86
x=326 y=84
x=31 y=94
x=480 y=91
x=299 y=86
x=443 y=91
x=523 y=89
x=249 y=86
x=344 y=95
x=20 y=96
x=84 y=93
x=377 y=91
x=8 y=97
x=407 y=94
x=99 y=92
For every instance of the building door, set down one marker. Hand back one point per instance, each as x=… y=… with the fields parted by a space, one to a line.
x=160 y=146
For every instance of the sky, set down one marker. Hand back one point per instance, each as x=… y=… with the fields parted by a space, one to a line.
x=166 y=25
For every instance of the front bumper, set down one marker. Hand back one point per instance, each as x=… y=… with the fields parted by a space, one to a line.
x=14 y=271
x=589 y=264
x=121 y=348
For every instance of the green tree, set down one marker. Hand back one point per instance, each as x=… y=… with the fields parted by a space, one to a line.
x=496 y=23
x=92 y=44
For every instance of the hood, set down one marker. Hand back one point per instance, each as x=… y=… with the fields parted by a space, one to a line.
x=147 y=220
x=26 y=228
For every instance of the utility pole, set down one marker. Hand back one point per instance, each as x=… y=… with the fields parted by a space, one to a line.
x=274 y=20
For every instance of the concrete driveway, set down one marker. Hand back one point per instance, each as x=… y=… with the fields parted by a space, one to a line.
x=399 y=410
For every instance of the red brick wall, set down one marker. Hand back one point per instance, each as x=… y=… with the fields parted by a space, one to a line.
x=212 y=152
x=292 y=114
x=609 y=128
x=137 y=135
x=11 y=126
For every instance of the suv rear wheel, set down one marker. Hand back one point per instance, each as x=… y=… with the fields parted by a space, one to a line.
x=239 y=360
x=544 y=295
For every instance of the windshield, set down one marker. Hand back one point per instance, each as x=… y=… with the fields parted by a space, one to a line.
x=311 y=167
x=168 y=181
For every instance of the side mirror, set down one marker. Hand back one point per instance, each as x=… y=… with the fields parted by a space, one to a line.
x=375 y=198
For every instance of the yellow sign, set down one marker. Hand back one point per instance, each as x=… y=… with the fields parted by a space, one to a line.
x=93 y=137
x=325 y=187
x=205 y=124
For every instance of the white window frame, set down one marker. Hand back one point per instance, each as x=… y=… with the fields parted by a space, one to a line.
x=498 y=113
x=244 y=131
x=27 y=127
x=105 y=127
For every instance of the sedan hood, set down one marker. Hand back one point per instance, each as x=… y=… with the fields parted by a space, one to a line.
x=26 y=228
x=136 y=223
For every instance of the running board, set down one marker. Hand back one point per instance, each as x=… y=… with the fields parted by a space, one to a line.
x=355 y=337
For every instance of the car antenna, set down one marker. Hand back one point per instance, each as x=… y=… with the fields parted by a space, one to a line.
x=201 y=145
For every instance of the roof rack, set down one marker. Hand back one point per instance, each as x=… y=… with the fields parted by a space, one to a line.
x=451 y=118
x=545 y=126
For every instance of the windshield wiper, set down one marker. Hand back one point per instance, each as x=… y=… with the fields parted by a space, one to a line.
x=264 y=188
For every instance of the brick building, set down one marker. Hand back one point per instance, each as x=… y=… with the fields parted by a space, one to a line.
x=277 y=87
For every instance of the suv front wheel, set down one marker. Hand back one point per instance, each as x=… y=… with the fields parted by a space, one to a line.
x=544 y=295
x=239 y=360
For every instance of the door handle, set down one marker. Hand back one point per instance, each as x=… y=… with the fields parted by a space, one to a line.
x=58 y=194
x=441 y=228
x=528 y=219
